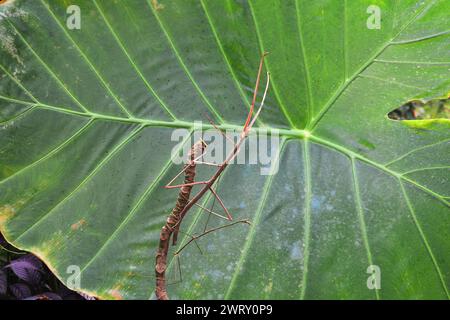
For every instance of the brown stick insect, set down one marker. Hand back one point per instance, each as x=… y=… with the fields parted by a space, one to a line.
x=184 y=203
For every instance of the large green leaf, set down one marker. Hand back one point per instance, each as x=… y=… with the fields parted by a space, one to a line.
x=85 y=143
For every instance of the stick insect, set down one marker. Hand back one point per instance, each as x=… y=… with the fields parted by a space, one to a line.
x=184 y=203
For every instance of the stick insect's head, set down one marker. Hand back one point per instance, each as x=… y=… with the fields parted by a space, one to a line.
x=198 y=148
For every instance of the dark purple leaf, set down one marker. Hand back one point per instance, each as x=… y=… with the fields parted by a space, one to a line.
x=27 y=268
x=20 y=290
x=3 y=282
x=32 y=260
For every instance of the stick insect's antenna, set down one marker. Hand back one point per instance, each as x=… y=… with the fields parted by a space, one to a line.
x=218 y=129
x=255 y=92
x=262 y=101
x=247 y=129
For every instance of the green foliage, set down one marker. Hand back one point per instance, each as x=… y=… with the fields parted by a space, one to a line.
x=85 y=144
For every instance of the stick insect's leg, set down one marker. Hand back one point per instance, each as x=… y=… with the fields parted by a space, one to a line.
x=212 y=205
x=175 y=235
x=221 y=203
x=209 y=163
x=179 y=266
x=193 y=239
x=250 y=125
x=180 y=276
x=262 y=102
x=246 y=221
x=255 y=91
x=179 y=174
x=168 y=186
x=176 y=227
x=186 y=184
x=211 y=212
x=177 y=230
x=200 y=156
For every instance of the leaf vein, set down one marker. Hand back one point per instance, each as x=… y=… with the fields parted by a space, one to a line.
x=18 y=83
x=227 y=61
x=414 y=150
x=307 y=225
x=427 y=37
x=425 y=169
x=148 y=191
x=89 y=63
x=255 y=221
x=18 y=116
x=133 y=64
x=424 y=239
x=341 y=89
x=83 y=182
x=435 y=63
x=305 y=62
x=390 y=81
x=49 y=70
x=272 y=82
x=50 y=153
x=362 y=223
x=184 y=67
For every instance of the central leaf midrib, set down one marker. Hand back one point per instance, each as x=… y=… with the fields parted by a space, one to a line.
x=361 y=217
x=292 y=133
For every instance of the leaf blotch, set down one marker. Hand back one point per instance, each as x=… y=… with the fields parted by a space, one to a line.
x=7 y=37
x=77 y=225
x=156 y=5
x=6 y=2
x=115 y=293
x=6 y=212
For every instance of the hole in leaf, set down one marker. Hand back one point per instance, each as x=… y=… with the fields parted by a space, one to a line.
x=418 y=110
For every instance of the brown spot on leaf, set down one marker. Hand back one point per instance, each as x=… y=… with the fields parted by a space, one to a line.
x=77 y=225
x=157 y=6
x=115 y=293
